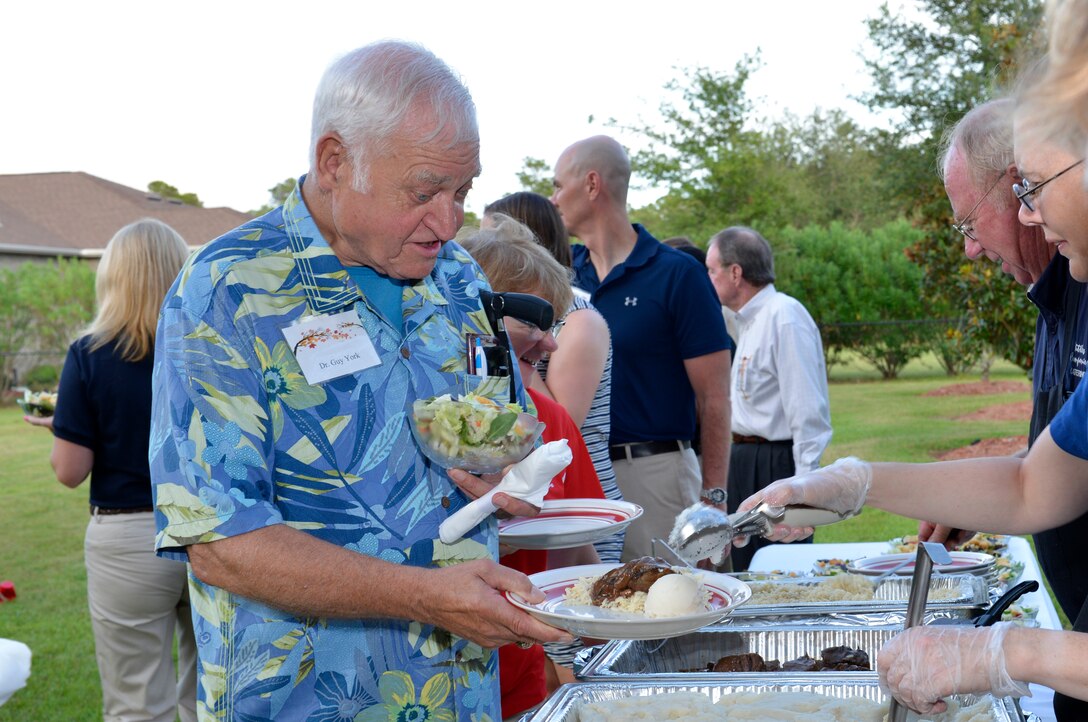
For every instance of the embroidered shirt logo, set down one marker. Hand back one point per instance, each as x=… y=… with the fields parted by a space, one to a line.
x=630 y=300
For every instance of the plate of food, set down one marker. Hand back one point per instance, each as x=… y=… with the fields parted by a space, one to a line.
x=981 y=542
x=1021 y=614
x=962 y=563
x=985 y=543
x=644 y=599
x=565 y=523
x=473 y=432
x=1008 y=569
x=38 y=403
x=830 y=567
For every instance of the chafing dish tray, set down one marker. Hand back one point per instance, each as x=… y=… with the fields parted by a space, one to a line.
x=668 y=657
x=969 y=595
x=563 y=706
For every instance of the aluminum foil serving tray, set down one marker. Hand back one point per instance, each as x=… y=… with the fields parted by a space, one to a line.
x=564 y=704
x=645 y=660
x=970 y=596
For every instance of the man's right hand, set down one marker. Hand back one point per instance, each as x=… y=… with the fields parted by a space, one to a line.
x=467 y=600
x=949 y=536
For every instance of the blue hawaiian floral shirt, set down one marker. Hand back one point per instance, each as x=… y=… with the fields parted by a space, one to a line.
x=240 y=441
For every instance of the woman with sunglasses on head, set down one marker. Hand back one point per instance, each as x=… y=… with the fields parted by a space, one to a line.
x=514 y=262
x=578 y=374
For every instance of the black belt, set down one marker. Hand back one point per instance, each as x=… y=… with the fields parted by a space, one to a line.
x=107 y=511
x=642 y=449
x=745 y=439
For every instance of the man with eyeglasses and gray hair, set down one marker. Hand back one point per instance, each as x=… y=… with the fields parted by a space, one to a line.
x=979 y=172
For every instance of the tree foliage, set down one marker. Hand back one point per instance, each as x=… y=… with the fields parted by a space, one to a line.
x=169 y=192
x=928 y=71
x=535 y=176
x=43 y=306
x=722 y=166
x=861 y=289
x=277 y=194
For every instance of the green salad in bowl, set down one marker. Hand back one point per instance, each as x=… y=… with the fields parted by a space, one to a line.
x=473 y=432
x=38 y=403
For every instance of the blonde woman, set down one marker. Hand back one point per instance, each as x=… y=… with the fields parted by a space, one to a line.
x=101 y=428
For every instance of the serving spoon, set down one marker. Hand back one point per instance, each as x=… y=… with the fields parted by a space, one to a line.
x=702 y=531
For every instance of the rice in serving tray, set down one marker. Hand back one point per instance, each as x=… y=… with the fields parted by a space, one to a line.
x=764 y=706
x=839 y=588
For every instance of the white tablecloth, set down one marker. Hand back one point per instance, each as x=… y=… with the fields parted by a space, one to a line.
x=802 y=556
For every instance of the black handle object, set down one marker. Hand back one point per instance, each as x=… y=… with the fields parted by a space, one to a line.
x=993 y=614
x=522 y=306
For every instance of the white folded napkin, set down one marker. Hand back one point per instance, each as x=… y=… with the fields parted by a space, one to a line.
x=14 y=667
x=527 y=480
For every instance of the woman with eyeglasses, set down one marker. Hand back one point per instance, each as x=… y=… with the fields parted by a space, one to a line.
x=1045 y=489
x=578 y=374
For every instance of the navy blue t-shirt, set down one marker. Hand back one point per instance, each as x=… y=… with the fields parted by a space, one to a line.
x=104 y=404
x=661 y=309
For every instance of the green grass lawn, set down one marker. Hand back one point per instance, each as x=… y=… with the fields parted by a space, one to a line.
x=43 y=522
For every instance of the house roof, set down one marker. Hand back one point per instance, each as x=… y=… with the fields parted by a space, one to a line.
x=77 y=214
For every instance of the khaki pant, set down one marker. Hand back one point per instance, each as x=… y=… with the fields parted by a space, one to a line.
x=137 y=602
x=663 y=485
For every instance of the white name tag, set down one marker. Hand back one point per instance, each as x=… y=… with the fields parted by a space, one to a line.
x=328 y=347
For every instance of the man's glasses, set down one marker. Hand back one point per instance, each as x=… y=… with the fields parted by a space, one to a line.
x=1024 y=191
x=965 y=226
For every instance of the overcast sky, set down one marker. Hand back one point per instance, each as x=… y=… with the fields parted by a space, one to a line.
x=215 y=97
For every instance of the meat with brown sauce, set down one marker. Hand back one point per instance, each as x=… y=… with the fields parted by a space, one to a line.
x=637 y=575
x=750 y=662
x=832 y=659
x=845 y=659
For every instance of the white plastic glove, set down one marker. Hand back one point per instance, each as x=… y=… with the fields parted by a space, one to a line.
x=925 y=664
x=840 y=487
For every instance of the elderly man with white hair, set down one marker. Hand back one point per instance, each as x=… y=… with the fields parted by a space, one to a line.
x=285 y=471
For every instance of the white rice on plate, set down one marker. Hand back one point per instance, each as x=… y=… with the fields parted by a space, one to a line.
x=581 y=594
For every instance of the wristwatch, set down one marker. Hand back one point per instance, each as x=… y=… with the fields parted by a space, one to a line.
x=715 y=495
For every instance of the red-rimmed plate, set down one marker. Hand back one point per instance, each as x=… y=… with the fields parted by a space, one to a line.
x=962 y=563
x=726 y=594
x=566 y=523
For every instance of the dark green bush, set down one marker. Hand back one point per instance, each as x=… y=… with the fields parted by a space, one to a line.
x=42 y=378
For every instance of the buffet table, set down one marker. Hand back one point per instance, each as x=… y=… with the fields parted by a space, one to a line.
x=801 y=557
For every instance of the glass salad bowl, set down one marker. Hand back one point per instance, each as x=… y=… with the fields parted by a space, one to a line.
x=459 y=430
x=40 y=403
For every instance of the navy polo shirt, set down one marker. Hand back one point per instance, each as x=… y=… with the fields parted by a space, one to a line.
x=104 y=404
x=661 y=309
x=1062 y=301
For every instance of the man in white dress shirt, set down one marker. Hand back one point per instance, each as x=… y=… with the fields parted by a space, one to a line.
x=781 y=414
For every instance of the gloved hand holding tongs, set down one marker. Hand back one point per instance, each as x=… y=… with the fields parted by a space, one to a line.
x=923 y=665
x=780 y=512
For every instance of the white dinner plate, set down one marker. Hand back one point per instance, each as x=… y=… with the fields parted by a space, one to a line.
x=566 y=523
x=726 y=594
x=962 y=563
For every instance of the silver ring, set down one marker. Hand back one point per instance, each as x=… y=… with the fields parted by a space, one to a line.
x=524 y=645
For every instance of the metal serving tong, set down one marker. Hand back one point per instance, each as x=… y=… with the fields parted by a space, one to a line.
x=702 y=531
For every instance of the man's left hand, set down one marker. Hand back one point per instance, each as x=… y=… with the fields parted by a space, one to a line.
x=474 y=487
